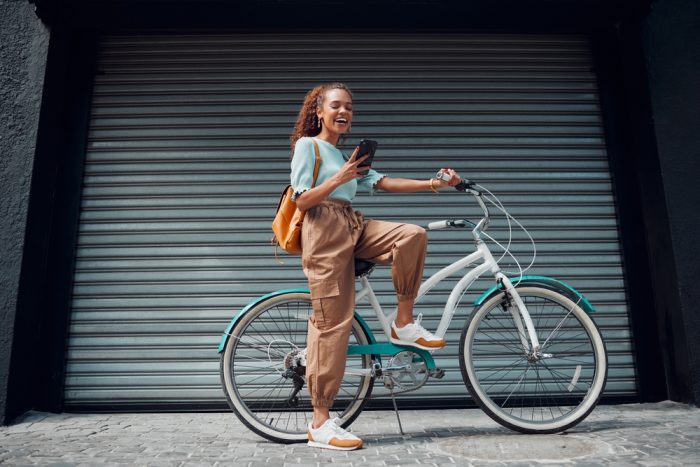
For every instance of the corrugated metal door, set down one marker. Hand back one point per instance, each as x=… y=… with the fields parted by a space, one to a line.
x=188 y=153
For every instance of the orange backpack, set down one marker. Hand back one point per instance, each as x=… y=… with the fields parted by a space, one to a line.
x=288 y=221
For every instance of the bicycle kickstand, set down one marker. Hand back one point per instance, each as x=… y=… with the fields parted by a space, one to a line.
x=396 y=411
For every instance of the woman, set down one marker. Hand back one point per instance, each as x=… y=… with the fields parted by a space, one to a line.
x=333 y=234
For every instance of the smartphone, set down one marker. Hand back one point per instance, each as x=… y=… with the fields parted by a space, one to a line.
x=367 y=146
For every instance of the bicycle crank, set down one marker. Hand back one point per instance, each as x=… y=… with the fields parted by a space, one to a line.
x=405 y=371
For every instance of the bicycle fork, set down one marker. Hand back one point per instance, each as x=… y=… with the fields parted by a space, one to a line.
x=521 y=317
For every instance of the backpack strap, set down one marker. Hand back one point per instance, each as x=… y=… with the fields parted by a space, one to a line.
x=317 y=164
x=317 y=167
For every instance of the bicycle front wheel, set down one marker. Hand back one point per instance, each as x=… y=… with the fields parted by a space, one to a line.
x=545 y=392
x=263 y=376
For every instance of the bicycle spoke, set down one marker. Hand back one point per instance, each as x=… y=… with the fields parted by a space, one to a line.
x=517 y=385
x=260 y=345
x=547 y=389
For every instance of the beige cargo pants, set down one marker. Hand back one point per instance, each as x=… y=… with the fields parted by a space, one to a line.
x=333 y=234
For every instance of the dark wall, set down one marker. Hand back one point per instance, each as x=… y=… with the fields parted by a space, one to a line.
x=37 y=363
x=671 y=40
x=23 y=55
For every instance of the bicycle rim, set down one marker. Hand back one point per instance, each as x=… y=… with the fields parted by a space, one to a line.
x=253 y=365
x=531 y=394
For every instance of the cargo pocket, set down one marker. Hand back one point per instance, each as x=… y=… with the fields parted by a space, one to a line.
x=324 y=293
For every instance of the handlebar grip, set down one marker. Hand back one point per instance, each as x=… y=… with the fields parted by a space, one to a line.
x=437 y=225
x=463 y=184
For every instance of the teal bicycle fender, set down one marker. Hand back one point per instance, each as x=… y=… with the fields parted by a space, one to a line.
x=234 y=321
x=387 y=348
x=547 y=282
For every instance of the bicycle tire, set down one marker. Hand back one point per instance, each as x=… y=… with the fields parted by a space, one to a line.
x=550 y=394
x=251 y=364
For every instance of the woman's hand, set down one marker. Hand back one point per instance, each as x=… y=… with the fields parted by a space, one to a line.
x=347 y=172
x=454 y=177
x=351 y=170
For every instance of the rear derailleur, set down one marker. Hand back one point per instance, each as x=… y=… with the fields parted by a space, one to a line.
x=295 y=368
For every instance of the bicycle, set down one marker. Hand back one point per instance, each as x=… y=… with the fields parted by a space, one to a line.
x=530 y=355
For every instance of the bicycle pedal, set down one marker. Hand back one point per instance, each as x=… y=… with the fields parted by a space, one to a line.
x=437 y=373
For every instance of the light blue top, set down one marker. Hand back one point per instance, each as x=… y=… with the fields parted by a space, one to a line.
x=331 y=161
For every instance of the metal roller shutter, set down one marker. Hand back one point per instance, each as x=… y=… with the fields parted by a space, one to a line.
x=188 y=152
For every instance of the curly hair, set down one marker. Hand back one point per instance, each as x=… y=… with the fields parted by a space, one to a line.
x=307 y=122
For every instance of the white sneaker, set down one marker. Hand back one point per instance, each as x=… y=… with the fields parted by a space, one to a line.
x=415 y=335
x=330 y=435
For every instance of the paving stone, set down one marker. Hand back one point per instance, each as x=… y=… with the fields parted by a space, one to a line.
x=650 y=435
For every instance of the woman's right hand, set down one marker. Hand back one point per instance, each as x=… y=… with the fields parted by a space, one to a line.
x=351 y=170
x=347 y=172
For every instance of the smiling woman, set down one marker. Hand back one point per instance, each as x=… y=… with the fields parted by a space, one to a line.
x=309 y=123
x=333 y=235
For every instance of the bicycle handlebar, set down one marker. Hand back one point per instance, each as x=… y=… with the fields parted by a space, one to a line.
x=460 y=223
x=467 y=186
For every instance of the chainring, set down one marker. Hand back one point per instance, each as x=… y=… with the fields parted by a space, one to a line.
x=405 y=371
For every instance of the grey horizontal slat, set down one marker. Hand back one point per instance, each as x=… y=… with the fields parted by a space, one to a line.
x=252 y=121
x=508 y=181
x=507 y=100
x=185 y=213
x=275 y=109
x=251 y=288
x=198 y=246
x=384 y=130
x=211 y=200
x=85 y=268
x=199 y=286
x=441 y=86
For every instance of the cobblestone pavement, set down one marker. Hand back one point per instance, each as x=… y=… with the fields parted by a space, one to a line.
x=648 y=434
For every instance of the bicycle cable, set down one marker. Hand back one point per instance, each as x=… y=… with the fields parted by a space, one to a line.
x=502 y=208
x=494 y=201
x=269 y=349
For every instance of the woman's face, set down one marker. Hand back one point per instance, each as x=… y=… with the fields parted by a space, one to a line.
x=336 y=112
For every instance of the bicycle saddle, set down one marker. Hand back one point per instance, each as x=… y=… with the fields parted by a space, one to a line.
x=362 y=267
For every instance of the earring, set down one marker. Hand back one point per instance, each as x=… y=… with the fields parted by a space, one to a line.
x=319 y=121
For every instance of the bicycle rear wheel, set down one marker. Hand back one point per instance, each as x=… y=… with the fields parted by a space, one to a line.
x=545 y=393
x=261 y=368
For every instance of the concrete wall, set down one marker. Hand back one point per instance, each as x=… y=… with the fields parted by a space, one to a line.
x=24 y=44
x=671 y=37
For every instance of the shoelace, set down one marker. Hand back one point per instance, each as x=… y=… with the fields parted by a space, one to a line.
x=421 y=330
x=336 y=428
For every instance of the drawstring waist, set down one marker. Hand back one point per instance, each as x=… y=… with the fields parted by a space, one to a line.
x=335 y=202
x=344 y=209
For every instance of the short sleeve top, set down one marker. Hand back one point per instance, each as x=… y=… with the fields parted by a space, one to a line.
x=332 y=159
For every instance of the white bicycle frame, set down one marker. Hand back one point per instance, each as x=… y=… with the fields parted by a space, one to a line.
x=522 y=319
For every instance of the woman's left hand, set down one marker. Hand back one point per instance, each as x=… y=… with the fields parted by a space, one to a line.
x=454 y=177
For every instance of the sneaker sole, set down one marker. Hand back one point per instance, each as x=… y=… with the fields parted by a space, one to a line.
x=413 y=344
x=316 y=444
